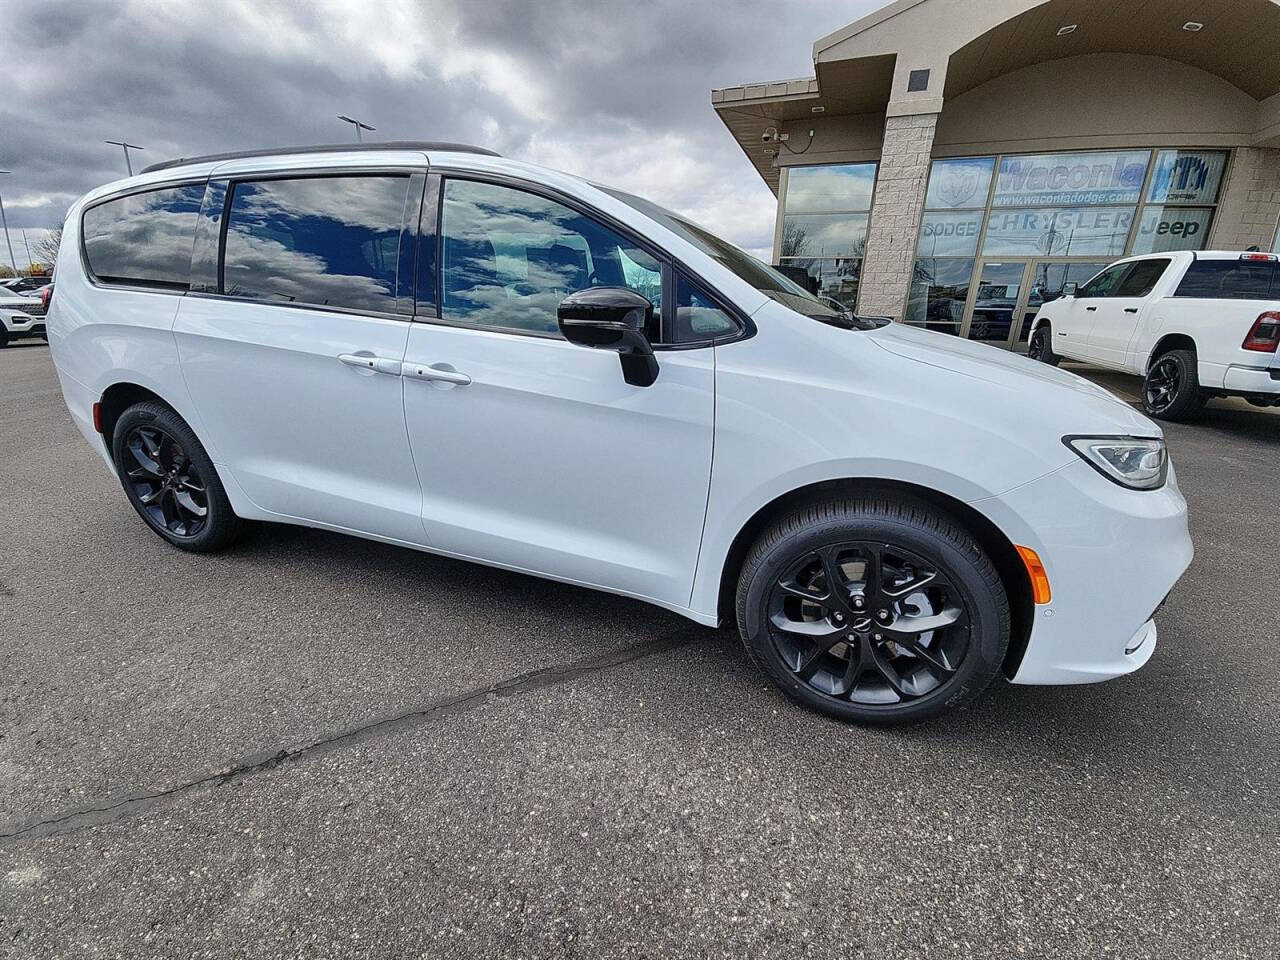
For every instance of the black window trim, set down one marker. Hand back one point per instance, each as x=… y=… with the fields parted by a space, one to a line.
x=160 y=287
x=747 y=328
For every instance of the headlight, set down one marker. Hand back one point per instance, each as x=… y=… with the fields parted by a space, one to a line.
x=1139 y=463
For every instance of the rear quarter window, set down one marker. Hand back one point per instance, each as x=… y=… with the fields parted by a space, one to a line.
x=1229 y=280
x=144 y=239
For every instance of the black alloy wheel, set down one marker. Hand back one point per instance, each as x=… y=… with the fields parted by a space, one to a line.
x=166 y=482
x=870 y=623
x=874 y=610
x=1163 y=383
x=1171 y=390
x=1041 y=348
x=170 y=480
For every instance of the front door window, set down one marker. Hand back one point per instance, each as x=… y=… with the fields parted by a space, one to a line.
x=511 y=256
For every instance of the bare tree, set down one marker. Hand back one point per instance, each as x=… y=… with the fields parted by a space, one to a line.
x=793 y=239
x=45 y=249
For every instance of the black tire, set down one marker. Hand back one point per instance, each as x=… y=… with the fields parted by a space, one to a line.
x=1041 y=346
x=4 y=337
x=168 y=478
x=945 y=671
x=1171 y=390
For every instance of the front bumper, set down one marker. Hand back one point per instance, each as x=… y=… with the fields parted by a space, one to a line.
x=17 y=322
x=1112 y=556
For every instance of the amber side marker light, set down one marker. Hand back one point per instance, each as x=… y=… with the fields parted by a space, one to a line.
x=1040 y=591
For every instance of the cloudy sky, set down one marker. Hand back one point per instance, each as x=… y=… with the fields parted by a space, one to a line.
x=617 y=91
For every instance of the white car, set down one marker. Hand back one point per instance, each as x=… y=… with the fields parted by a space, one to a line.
x=438 y=348
x=21 y=315
x=1194 y=325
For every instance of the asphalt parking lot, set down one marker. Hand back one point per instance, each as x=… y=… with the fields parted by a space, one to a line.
x=319 y=746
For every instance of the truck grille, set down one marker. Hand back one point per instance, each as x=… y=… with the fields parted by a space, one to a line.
x=36 y=311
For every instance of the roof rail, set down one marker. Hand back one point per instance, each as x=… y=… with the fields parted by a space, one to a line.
x=325 y=148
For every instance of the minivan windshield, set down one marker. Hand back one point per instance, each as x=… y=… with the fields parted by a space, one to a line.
x=762 y=277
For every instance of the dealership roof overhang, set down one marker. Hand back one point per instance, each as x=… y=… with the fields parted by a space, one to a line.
x=857 y=69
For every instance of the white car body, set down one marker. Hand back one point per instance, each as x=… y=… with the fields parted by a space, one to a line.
x=1127 y=332
x=548 y=463
x=16 y=316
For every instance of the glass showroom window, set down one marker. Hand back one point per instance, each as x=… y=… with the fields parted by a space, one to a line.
x=1181 y=201
x=824 y=226
x=1065 y=204
x=955 y=205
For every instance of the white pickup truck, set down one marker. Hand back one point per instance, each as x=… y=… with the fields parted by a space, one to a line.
x=1194 y=325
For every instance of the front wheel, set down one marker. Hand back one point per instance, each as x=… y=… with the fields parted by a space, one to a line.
x=872 y=610
x=1041 y=347
x=1172 y=388
x=170 y=479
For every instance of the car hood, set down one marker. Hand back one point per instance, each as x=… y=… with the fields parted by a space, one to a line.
x=1010 y=371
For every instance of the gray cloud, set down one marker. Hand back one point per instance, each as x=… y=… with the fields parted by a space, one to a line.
x=616 y=91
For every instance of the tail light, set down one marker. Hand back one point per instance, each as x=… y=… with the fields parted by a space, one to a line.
x=1264 y=335
x=1260 y=257
x=45 y=296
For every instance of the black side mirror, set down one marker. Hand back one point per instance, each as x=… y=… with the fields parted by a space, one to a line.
x=612 y=318
x=1069 y=289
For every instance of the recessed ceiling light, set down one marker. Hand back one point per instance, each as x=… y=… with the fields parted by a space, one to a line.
x=817 y=109
x=1069 y=28
x=1193 y=26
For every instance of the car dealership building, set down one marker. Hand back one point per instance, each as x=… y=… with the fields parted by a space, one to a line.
x=953 y=163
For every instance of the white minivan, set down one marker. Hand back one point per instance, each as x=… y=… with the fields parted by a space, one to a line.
x=432 y=346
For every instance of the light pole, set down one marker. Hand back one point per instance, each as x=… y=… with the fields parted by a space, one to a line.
x=5 y=224
x=125 y=146
x=358 y=124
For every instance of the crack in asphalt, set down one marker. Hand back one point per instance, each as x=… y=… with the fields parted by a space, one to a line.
x=128 y=806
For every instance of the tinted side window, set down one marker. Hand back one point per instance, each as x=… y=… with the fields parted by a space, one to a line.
x=1229 y=280
x=697 y=316
x=1142 y=279
x=328 y=241
x=1105 y=282
x=510 y=257
x=145 y=238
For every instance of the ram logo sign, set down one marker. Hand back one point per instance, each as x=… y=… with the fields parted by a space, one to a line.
x=1187 y=177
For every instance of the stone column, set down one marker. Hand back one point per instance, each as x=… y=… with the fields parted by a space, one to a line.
x=901 y=183
x=1250 y=205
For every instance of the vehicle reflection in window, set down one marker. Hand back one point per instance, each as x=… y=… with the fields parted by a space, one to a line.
x=329 y=241
x=511 y=256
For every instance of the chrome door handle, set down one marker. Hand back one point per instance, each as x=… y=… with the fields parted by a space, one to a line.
x=377 y=364
x=437 y=372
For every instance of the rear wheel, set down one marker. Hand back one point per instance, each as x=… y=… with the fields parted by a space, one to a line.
x=170 y=479
x=1172 y=387
x=1041 y=347
x=872 y=610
